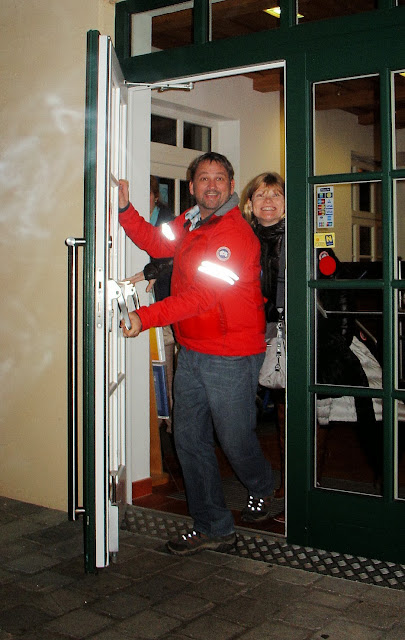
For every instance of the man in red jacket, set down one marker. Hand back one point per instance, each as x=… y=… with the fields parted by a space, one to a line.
x=217 y=310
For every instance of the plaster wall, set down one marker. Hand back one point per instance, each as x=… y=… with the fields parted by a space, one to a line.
x=42 y=66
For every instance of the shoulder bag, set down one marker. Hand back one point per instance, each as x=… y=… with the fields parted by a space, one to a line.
x=272 y=373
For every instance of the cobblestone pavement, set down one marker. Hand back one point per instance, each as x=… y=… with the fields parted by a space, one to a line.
x=148 y=594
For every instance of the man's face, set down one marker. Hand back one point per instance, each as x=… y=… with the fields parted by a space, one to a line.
x=211 y=187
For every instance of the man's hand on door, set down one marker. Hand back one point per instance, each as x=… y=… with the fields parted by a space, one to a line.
x=123 y=193
x=136 y=325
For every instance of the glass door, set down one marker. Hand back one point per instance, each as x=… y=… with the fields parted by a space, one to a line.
x=354 y=306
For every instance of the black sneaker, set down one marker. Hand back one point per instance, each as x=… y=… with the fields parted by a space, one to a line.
x=256 y=510
x=195 y=541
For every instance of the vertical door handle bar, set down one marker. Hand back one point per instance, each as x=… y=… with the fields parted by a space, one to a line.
x=72 y=397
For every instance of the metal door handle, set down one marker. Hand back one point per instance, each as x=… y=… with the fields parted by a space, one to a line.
x=73 y=509
x=122 y=291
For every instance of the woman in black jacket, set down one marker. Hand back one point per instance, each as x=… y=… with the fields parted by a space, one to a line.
x=263 y=206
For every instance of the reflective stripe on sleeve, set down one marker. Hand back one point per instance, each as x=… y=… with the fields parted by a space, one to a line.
x=167 y=231
x=218 y=271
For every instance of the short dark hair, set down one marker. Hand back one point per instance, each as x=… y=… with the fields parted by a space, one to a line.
x=210 y=156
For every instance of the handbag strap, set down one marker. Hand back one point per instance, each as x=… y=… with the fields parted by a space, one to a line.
x=280 y=294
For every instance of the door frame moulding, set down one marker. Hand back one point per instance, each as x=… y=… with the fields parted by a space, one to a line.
x=138 y=183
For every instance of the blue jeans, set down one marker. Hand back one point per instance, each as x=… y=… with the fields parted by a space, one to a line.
x=217 y=392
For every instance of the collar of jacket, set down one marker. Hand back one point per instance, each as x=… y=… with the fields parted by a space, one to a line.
x=274 y=230
x=227 y=206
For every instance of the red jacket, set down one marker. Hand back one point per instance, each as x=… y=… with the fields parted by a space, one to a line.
x=209 y=314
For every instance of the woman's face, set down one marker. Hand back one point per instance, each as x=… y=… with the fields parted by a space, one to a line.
x=268 y=204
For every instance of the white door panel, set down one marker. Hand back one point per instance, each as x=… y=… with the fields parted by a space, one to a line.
x=104 y=351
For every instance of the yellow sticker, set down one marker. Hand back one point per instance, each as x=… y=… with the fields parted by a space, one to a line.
x=323 y=240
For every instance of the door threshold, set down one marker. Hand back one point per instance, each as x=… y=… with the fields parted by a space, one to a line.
x=272 y=549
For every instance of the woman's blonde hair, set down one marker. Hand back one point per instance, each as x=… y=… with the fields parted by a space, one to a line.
x=269 y=179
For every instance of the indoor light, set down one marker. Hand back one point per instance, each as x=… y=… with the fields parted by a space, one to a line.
x=275 y=11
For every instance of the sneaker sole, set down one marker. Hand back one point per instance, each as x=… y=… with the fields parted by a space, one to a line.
x=253 y=519
x=213 y=546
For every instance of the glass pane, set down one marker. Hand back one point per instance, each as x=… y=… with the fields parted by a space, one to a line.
x=234 y=18
x=166 y=192
x=400 y=448
x=163 y=130
x=348 y=224
x=401 y=339
x=347 y=113
x=196 y=137
x=399 y=95
x=173 y=29
x=349 y=444
x=186 y=199
x=313 y=10
x=349 y=337
x=399 y=221
x=163 y=28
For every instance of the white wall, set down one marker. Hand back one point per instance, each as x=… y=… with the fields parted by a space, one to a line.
x=233 y=98
x=42 y=66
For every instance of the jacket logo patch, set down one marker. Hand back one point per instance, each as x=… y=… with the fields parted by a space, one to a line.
x=223 y=253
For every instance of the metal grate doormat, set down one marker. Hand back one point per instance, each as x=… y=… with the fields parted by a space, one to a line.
x=235 y=495
x=273 y=550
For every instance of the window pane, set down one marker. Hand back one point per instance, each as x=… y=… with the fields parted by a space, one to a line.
x=399 y=220
x=349 y=337
x=399 y=92
x=348 y=225
x=313 y=10
x=166 y=192
x=400 y=448
x=186 y=199
x=347 y=113
x=172 y=29
x=234 y=18
x=349 y=444
x=163 y=130
x=163 y=28
x=401 y=339
x=196 y=137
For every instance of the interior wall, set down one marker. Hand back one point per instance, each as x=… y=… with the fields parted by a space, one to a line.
x=261 y=128
x=42 y=66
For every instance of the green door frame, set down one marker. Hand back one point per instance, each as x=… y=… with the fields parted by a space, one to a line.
x=342 y=522
x=89 y=307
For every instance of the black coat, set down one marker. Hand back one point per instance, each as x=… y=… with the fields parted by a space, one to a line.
x=270 y=242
